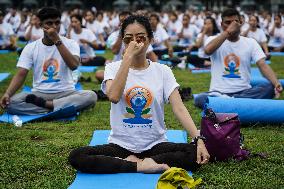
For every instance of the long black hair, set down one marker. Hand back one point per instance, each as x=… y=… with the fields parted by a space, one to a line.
x=142 y=20
x=215 y=27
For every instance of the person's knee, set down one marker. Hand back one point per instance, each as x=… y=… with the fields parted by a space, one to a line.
x=200 y=100
x=75 y=157
x=91 y=98
x=99 y=75
x=267 y=90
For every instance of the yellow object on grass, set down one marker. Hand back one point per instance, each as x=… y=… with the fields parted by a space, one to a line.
x=174 y=177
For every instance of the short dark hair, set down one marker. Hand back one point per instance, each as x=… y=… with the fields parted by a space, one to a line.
x=125 y=13
x=279 y=16
x=155 y=15
x=230 y=12
x=77 y=16
x=142 y=20
x=47 y=13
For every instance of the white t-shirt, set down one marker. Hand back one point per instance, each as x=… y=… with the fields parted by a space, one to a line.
x=277 y=40
x=258 y=35
x=85 y=49
x=111 y=40
x=6 y=31
x=137 y=120
x=230 y=70
x=15 y=21
x=95 y=27
x=189 y=35
x=160 y=36
x=201 y=52
x=50 y=72
x=36 y=33
x=173 y=28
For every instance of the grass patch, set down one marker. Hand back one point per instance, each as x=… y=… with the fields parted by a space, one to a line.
x=35 y=156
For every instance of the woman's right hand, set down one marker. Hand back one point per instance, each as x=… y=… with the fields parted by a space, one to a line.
x=134 y=49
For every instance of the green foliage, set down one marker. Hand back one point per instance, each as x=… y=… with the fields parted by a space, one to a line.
x=35 y=156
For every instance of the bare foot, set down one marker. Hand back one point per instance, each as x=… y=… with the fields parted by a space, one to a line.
x=148 y=165
x=133 y=158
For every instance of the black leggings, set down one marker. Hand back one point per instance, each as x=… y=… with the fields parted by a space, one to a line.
x=197 y=61
x=108 y=158
x=96 y=61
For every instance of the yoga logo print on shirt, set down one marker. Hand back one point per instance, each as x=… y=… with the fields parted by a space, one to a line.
x=138 y=110
x=232 y=64
x=50 y=71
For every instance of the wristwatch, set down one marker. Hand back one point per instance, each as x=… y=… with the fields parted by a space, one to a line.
x=199 y=137
x=58 y=43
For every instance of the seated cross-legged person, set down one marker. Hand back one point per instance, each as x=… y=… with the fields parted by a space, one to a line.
x=52 y=59
x=7 y=36
x=138 y=89
x=87 y=41
x=231 y=56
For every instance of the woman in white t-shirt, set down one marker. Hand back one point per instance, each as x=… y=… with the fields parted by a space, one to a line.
x=161 y=42
x=255 y=32
x=186 y=34
x=138 y=89
x=86 y=40
x=93 y=25
x=201 y=60
x=34 y=31
x=276 y=32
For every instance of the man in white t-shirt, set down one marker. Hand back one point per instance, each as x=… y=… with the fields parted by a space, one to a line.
x=231 y=56
x=52 y=59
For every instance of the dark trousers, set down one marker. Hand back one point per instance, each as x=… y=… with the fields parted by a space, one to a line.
x=109 y=158
x=197 y=61
x=96 y=61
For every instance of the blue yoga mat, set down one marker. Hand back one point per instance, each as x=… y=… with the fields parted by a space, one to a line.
x=4 y=76
x=121 y=180
x=87 y=68
x=198 y=70
x=165 y=62
x=100 y=51
x=250 y=110
x=78 y=87
x=276 y=53
x=4 y=51
x=64 y=114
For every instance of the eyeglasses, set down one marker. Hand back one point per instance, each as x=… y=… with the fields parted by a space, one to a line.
x=138 y=38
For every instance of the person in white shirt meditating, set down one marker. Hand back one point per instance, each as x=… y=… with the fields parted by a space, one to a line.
x=52 y=59
x=138 y=89
x=231 y=56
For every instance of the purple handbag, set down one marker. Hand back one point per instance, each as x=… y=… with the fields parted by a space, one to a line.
x=223 y=137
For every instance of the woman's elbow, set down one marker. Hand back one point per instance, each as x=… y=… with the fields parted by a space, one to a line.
x=113 y=100
x=207 y=51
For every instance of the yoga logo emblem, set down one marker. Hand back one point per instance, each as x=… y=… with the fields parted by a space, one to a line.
x=50 y=71
x=138 y=100
x=232 y=64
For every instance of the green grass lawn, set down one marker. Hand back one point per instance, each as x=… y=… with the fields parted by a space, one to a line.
x=35 y=156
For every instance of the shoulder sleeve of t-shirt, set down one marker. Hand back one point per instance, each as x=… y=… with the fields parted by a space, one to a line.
x=169 y=82
x=150 y=48
x=257 y=52
x=109 y=74
x=263 y=37
x=91 y=36
x=111 y=40
x=74 y=47
x=164 y=34
x=26 y=57
x=209 y=39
